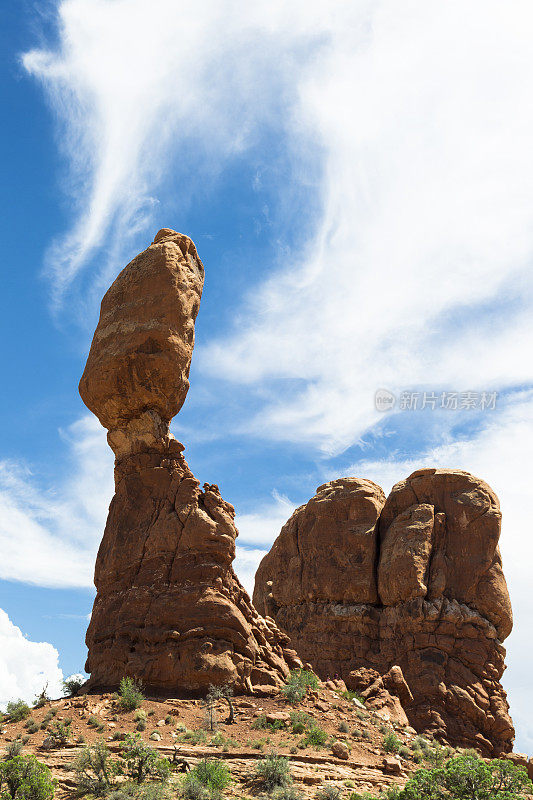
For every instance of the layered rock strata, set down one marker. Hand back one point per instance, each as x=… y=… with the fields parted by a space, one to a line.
x=414 y=580
x=169 y=609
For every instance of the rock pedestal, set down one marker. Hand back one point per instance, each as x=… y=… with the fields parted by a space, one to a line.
x=414 y=581
x=169 y=609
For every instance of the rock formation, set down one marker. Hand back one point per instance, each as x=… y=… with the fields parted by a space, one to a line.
x=415 y=581
x=169 y=609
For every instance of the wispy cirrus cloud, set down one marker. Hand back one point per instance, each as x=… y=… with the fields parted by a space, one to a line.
x=58 y=528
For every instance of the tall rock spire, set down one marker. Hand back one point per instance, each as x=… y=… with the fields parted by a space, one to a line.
x=169 y=609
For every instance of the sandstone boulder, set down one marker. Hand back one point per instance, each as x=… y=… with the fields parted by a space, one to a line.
x=169 y=608
x=388 y=695
x=427 y=594
x=326 y=552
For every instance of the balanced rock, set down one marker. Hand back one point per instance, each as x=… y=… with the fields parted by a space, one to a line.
x=169 y=609
x=422 y=589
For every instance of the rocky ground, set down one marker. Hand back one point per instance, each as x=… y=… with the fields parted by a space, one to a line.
x=353 y=755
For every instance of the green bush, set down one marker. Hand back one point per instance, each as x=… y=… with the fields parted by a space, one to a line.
x=60 y=731
x=130 y=694
x=132 y=791
x=315 y=736
x=192 y=789
x=468 y=777
x=72 y=685
x=299 y=721
x=213 y=773
x=391 y=743
x=344 y=727
x=299 y=683
x=273 y=771
x=13 y=749
x=25 y=778
x=349 y=695
x=95 y=770
x=329 y=792
x=286 y=793
x=261 y=723
x=42 y=698
x=18 y=710
x=142 y=761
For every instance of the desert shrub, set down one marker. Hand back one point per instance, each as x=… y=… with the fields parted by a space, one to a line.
x=299 y=683
x=194 y=737
x=404 y=752
x=468 y=777
x=142 y=761
x=299 y=721
x=356 y=733
x=261 y=723
x=286 y=793
x=95 y=770
x=72 y=685
x=13 y=749
x=315 y=736
x=366 y=735
x=130 y=694
x=273 y=771
x=141 y=725
x=420 y=743
x=192 y=789
x=329 y=792
x=213 y=773
x=42 y=698
x=25 y=778
x=32 y=727
x=391 y=743
x=217 y=740
x=60 y=731
x=17 y=710
x=349 y=695
x=139 y=715
x=132 y=791
x=344 y=727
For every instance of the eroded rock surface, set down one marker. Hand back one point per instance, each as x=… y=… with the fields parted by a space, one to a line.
x=427 y=593
x=169 y=608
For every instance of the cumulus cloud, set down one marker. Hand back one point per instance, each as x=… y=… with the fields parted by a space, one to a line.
x=58 y=529
x=25 y=666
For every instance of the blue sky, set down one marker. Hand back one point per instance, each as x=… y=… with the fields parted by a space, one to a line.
x=357 y=179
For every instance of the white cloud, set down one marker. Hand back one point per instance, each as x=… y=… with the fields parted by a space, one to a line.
x=263 y=525
x=499 y=454
x=49 y=537
x=26 y=667
x=245 y=565
x=419 y=271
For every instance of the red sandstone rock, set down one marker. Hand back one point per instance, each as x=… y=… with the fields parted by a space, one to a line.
x=326 y=552
x=340 y=750
x=169 y=609
x=434 y=602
